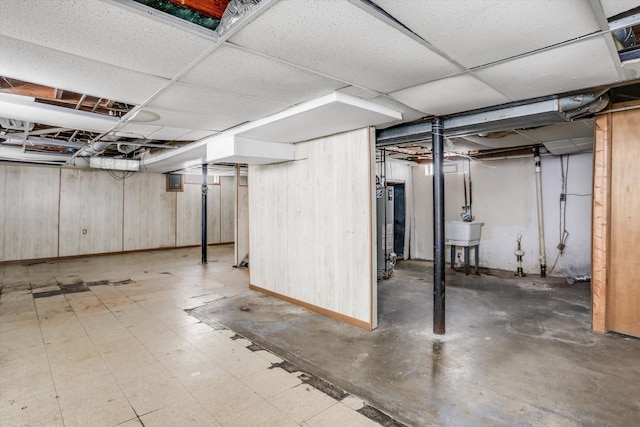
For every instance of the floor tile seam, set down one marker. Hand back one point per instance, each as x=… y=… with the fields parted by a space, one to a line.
x=334 y=403
x=44 y=344
x=281 y=412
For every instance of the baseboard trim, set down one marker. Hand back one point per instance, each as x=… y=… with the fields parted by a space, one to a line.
x=356 y=322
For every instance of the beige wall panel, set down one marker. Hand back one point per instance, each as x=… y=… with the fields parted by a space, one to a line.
x=310 y=235
x=92 y=201
x=149 y=212
x=28 y=212
x=227 y=208
x=242 y=241
x=189 y=211
x=624 y=292
x=213 y=211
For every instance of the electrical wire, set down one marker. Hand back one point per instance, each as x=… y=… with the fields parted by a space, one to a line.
x=563 y=234
x=125 y=175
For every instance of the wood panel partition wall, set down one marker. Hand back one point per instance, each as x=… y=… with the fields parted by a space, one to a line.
x=311 y=228
x=616 y=223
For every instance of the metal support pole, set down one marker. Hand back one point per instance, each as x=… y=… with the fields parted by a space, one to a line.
x=438 y=227
x=204 y=213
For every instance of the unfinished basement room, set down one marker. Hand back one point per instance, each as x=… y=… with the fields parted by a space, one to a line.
x=319 y=213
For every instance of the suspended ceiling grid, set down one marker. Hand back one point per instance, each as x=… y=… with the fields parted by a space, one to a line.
x=445 y=58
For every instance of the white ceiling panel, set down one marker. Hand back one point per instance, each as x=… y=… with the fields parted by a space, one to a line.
x=359 y=92
x=341 y=40
x=615 y=7
x=168 y=133
x=235 y=70
x=577 y=129
x=566 y=68
x=319 y=117
x=407 y=112
x=210 y=101
x=187 y=119
x=103 y=32
x=570 y=146
x=450 y=95
x=511 y=139
x=40 y=65
x=196 y=135
x=481 y=32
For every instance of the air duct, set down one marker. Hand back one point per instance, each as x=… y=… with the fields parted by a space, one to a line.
x=41 y=142
x=25 y=108
x=502 y=118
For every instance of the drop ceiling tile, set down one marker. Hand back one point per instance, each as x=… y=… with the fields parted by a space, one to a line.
x=197 y=134
x=359 y=92
x=570 y=67
x=168 y=133
x=408 y=113
x=104 y=32
x=37 y=64
x=319 y=117
x=570 y=130
x=481 y=32
x=461 y=145
x=451 y=95
x=235 y=70
x=200 y=99
x=211 y=121
x=341 y=40
x=495 y=140
x=615 y=7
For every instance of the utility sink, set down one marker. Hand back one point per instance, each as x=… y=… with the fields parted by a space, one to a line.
x=460 y=233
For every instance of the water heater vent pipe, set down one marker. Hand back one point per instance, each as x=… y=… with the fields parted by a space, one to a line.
x=543 y=256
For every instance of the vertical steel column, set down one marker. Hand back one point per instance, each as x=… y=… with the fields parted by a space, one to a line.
x=543 y=256
x=438 y=227
x=205 y=190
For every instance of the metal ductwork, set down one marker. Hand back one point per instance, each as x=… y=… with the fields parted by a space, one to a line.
x=17 y=139
x=504 y=118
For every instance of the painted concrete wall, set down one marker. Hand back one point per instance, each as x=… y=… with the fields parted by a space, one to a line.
x=311 y=227
x=45 y=210
x=504 y=198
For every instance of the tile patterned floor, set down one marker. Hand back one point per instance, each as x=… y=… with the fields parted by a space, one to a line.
x=108 y=341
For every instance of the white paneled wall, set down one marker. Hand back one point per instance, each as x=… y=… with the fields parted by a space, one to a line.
x=149 y=213
x=189 y=226
x=504 y=198
x=45 y=211
x=228 y=214
x=242 y=223
x=28 y=212
x=90 y=213
x=311 y=237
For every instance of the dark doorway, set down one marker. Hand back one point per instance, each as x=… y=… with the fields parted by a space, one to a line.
x=398 y=219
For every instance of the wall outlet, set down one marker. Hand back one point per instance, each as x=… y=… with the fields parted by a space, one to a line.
x=84 y=231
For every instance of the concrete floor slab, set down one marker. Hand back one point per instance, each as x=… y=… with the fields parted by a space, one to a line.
x=518 y=351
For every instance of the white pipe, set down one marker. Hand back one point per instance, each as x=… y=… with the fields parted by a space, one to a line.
x=543 y=256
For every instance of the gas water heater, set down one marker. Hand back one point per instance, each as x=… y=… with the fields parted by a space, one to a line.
x=384 y=226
